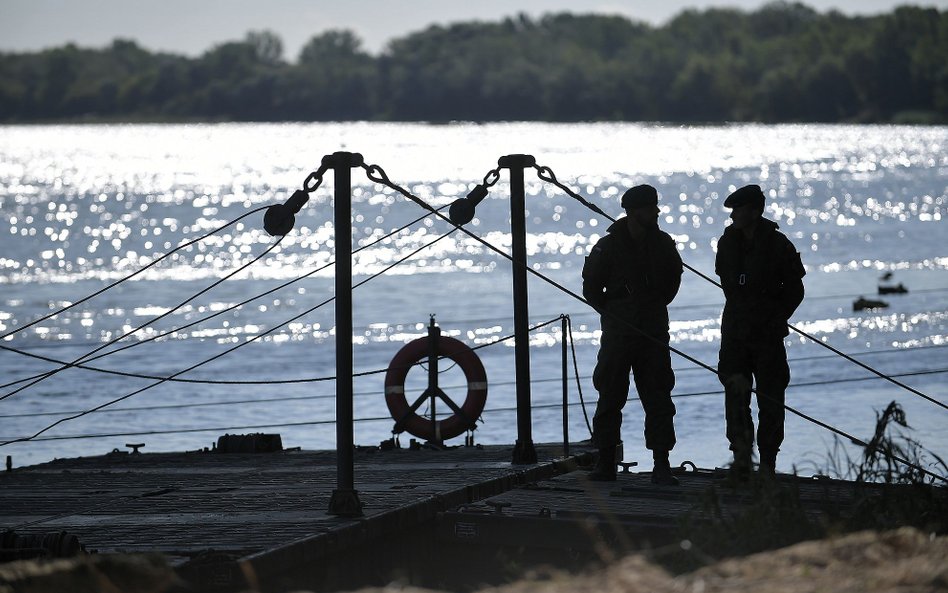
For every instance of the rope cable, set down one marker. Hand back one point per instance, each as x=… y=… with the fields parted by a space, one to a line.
x=268 y=400
x=225 y=352
x=130 y=276
x=139 y=375
x=541 y=171
x=669 y=346
x=486 y=320
x=213 y=285
x=579 y=386
x=372 y=419
x=192 y=324
x=381 y=177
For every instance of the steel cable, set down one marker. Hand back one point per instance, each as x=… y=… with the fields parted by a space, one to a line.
x=225 y=352
x=375 y=393
x=579 y=386
x=381 y=177
x=551 y=178
x=140 y=375
x=189 y=325
x=130 y=276
x=671 y=348
x=213 y=285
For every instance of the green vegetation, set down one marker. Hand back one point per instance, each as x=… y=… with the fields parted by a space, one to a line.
x=880 y=494
x=784 y=62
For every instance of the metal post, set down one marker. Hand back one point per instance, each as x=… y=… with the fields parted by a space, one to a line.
x=524 y=451
x=434 y=333
x=563 y=333
x=345 y=499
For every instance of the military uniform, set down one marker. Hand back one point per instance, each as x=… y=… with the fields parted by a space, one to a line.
x=762 y=282
x=631 y=281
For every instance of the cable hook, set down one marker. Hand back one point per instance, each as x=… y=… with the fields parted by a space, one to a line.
x=545 y=173
x=376 y=174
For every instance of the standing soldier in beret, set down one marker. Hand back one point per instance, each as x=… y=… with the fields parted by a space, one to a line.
x=630 y=277
x=762 y=277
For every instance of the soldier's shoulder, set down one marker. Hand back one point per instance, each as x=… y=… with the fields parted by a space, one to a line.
x=730 y=236
x=783 y=242
x=665 y=236
x=604 y=242
x=667 y=242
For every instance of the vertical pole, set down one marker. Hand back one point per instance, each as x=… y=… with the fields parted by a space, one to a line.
x=345 y=499
x=563 y=333
x=524 y=451
x=434 y=333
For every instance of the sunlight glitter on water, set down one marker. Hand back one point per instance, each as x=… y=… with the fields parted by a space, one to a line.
x=82 y=205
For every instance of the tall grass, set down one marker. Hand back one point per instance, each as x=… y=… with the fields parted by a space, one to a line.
x=875 y=492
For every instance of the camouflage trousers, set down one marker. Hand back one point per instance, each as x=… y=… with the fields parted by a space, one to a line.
x=741 y=365
x=649 y=362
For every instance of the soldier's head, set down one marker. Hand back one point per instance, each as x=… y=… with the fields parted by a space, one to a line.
x=641 y=205
x=747 y=206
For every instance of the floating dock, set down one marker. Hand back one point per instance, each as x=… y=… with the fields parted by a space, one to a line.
x=433 y=517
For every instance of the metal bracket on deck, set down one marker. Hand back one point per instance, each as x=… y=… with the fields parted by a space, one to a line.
x=345 y=503
x=498 y=506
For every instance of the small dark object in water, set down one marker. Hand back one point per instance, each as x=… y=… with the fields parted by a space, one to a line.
x=898 y=289
x=862 y=303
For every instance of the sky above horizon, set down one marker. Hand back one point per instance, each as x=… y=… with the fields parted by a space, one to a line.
x=191 y=27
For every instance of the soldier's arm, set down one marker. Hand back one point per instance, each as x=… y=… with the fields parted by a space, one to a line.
x=672 y=272
x=793 y=272
x=595 y=274
x=721 y=266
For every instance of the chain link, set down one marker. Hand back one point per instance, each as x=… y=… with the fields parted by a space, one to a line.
x=491 y=178
x=314 y=180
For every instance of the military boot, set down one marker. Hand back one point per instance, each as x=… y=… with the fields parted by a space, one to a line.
x=661 y=472
x=741 y=468
x=768 y=464
x=605 y=470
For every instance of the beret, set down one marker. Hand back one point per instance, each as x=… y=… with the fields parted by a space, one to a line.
x=640 y=196
x=749 y=195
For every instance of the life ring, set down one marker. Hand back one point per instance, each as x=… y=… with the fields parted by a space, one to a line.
x=406 y=418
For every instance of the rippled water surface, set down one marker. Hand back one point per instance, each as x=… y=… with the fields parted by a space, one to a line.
x=233 y=317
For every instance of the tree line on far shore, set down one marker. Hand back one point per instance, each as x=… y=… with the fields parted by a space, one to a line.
x=782 y=63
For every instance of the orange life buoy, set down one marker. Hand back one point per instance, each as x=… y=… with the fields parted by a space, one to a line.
x=406 y=418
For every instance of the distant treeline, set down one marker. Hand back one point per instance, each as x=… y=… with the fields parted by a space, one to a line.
x=782 y=63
